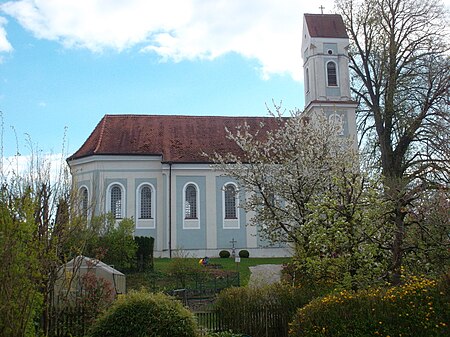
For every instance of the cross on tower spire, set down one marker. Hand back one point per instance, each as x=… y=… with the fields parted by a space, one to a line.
x=321 y=8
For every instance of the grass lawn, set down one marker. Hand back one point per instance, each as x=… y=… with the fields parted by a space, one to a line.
x=136 y=280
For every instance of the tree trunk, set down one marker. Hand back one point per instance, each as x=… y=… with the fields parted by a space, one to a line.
x=394 y=193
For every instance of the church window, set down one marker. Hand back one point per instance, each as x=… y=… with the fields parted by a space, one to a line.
x=145 y=197
x=84 y=201
x=230 y=196
x=307 y=80
x=190 y=205
x=331 y=74
x=116 y=201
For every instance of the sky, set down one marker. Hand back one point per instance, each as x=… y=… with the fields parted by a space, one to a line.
x=64 y=64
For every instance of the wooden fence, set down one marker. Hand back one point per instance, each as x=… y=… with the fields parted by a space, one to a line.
x=72 y=321
x=265 y=322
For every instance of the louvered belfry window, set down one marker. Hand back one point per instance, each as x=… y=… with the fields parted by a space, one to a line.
x=331 y=74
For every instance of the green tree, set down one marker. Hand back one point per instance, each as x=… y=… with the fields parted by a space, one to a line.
x=21 y=272
x=347 y=231
x=429 y=233
x=401 y=78
x=35 y=227
x=111 y=242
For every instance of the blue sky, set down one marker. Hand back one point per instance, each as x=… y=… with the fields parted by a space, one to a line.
x=66 y=63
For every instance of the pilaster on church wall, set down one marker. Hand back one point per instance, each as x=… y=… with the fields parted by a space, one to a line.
x=252 y=233
x=211 y=225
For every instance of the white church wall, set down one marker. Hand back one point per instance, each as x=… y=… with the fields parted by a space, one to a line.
x=131 y=173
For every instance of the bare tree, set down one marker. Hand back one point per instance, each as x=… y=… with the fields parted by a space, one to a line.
x=401 y=78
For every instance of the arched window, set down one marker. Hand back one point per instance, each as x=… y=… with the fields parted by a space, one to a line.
x=307 y=80
x=331 y=74
x=145 y=209
x=230 y=196
x=146 y=206
x=84 y=201
x=190 y=205
x=116 y=201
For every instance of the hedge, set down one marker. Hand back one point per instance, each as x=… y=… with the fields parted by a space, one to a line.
x=420 y=307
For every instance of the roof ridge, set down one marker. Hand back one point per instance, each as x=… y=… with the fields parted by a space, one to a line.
x=179 y=116
x=100 y=138
x=318 y=14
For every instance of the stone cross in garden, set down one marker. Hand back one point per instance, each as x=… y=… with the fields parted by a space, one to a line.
x=233 y=251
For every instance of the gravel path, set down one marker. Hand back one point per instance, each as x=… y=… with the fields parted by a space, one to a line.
x=265 y=274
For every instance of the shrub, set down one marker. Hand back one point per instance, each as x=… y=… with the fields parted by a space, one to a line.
x=420 y=307
x=246 y=309
x=144 y=252
x=244 y=254
x=95 y=297
x=143 y=314
x=183 y=270
x=224 y=254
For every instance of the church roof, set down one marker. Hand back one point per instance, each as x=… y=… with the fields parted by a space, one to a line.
x=180 y=139
x=326 y=25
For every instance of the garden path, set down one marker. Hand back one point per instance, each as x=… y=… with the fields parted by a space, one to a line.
x=264 y=274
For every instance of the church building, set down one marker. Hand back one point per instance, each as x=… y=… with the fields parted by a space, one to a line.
x=153 y=168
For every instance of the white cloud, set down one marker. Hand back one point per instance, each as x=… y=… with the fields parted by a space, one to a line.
x=46 y=167
x=5 y=46
x=266 y=30
x=97 y=24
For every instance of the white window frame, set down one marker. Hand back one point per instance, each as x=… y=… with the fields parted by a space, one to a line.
x=231 y=223
x=337 y=74
x=145 y=223
x=82 y=200
x=122 y=199
x=191 y=223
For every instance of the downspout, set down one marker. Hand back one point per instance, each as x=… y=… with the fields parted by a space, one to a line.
x=170 y=209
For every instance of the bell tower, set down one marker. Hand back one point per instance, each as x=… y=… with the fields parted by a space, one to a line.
x=326 y=71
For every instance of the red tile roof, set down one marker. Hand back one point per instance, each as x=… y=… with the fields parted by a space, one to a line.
x=326 y=25
x=181 y=139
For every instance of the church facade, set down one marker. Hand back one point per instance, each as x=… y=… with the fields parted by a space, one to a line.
x=155 y=169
